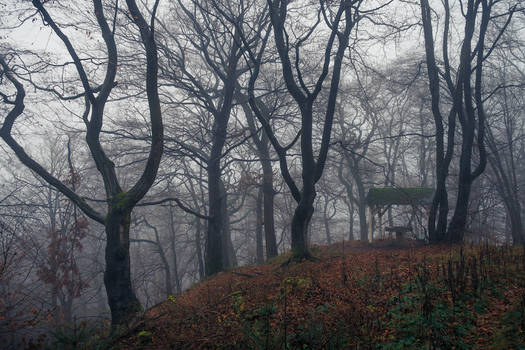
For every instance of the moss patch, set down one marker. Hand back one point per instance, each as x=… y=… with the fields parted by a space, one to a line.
x=120 y=201
x=400 y=196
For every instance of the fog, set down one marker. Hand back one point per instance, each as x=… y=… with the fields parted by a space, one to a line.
x=148 y=146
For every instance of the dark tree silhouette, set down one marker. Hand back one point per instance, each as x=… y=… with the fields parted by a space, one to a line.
x=339 y=19
x=467 y=104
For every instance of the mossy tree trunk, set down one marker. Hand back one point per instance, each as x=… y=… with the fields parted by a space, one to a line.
x=117 y=275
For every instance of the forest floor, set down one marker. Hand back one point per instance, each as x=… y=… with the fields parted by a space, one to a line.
x=386 y=295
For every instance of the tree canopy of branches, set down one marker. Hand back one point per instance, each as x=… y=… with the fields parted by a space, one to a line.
x=339 y=20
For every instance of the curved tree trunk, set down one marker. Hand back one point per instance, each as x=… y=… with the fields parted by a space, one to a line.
x=439 y=208
x=439 y=212
x=457 y=226
x=467 y=100
x=117 y=276
x=340 y=26
x=300 y=221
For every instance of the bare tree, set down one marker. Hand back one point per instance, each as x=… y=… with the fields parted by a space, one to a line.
x=339 y=21
x=203 y=57
x=120 y=203
x=262 y=144
x=467 y=102
x=354 y=140
x=504 y=141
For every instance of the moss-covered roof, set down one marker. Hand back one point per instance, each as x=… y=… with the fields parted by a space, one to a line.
x=400 y=196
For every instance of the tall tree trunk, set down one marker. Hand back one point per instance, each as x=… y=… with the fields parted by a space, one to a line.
x=363 y=228
x=198 y=224
x=326 y=220
x=268 y=198
x=230 y=259
x=54 y=305
x=173 y=237
x=360 y=201
x=351 y=236
x=262 y=145
x=439 y=208
x=198 y=248
x=66 y=303
x=215 y=261
x=507 y=186
x=511 y=200
x=166 y=266
x=117 y=276
x=516 y=223
x=259 y=222
x=361 y=206
x=422 y=160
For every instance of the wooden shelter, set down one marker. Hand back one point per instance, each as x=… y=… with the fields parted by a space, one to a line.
x=379 y=200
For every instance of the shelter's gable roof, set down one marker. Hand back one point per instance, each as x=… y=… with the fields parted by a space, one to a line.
x=400 y=196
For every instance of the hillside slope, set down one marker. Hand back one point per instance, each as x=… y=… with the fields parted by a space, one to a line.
x=387 y=295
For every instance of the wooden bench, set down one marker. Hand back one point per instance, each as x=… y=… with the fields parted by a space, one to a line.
x=399 y=230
